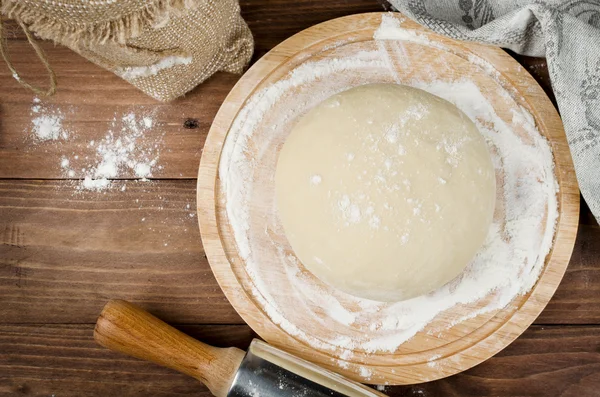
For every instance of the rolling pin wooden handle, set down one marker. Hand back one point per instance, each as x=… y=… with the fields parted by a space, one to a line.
x=126 y=328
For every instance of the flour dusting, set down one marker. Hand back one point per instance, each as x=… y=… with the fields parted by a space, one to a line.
x=390 y=29
x=121 y=150
x=47 y=123
x=135 y=72
x=315 y=179
x=126 y=148
x=507 y=266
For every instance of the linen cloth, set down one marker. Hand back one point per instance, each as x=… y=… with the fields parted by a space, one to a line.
x=567 y=33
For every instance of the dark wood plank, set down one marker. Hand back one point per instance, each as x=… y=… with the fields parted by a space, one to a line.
x=60 y=360
x=61 y=248
x=576 y=300
x=544 y=361
x=585 y=215
x=63 y=254
x=538 y=68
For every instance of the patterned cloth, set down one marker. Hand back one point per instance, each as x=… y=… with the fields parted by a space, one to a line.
x=567 y=33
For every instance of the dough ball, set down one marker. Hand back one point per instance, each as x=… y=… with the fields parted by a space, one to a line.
x=385 y=191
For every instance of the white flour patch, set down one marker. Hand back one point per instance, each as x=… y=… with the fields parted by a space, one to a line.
x=432 y=362
x=124 y=149
x=135 y=72
x=485 y=65
x=507 y=266
x=47 y=122
x=390 y=29
x=315 y=179
x=349 y=211
x=366 y=373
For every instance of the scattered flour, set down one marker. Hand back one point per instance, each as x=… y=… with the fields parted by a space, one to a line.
x=120 y=150
x=485 y=65
x=432 y=362
x=508 y=265
x=315 y=179
x=365 y=372
x=47 y=122
x=253 y=390
x=349 y=211
x=390 y=29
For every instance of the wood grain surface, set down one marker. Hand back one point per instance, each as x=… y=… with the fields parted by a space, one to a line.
x=63 y=255
x=63 y=360
x=437 y=350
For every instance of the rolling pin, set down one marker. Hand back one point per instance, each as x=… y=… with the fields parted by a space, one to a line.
x=227 y=372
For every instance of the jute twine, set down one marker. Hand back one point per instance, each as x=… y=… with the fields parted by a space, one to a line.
x=41 y=55
x=163 y=47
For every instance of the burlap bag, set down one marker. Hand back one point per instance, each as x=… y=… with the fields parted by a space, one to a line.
x=163 y=47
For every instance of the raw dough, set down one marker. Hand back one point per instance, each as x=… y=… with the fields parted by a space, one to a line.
x=385 y=191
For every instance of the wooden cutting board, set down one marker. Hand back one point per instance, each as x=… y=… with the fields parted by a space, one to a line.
x=425 y=357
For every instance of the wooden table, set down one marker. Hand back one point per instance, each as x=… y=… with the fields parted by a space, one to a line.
x=65 y=253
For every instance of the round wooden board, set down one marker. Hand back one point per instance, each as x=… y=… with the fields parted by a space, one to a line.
x=424 y=357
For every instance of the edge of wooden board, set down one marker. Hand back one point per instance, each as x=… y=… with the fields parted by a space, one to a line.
x=494 y=335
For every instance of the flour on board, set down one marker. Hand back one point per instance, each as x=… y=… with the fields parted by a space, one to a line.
x=508 y=265
x=121 y=150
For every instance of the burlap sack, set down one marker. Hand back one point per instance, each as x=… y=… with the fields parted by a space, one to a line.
x=163 y=47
